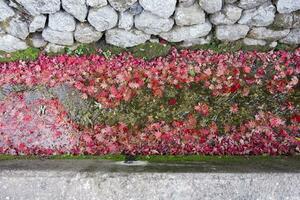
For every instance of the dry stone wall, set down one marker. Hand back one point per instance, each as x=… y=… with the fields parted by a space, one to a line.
x=53 y=24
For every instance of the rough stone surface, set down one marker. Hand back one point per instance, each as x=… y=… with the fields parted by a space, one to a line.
x=283 y=21
x=58 y=37
x=136 y=9
x=186 y=3
x=37 y=7
x=77 y=8
x=54 y=48
x=123 y=38
x=61 y=21
x=37 y=24
x=2 y=31
x=211 y=6
x=231 y=32
x=162 y=8
x=296 y=22
x=268 y=34
x=248 y=4
x=254 y=42
x=174 y=20
x=230 y=14
x=103 y=180
x=273 y=44
x=186 y=16
x=288 y=6
x=121 y=5
x=72 y=101
x=96 y=3
x=125 y=20
x=98 y=18
x=37 y=40
x=5 y=11
x=181 y=33
x=230 y=1
x=18 y=27
x=85 y=33
x=152 y=24
x=9 y=43
x=263 y=16
x=197 y=41
x=293 y=37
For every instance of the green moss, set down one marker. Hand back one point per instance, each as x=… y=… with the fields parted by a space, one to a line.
x=146 y=108
x=28 y=54
x=109 y=50
x=83 y=49
x=150 y=50
x=241 y=160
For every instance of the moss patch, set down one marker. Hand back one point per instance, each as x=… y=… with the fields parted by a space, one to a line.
x=169 y=158
x=150 y=51
x=178 y=104
x=146 y=51
x=27 y=54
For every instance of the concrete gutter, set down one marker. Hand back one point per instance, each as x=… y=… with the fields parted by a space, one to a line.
x=94 y=179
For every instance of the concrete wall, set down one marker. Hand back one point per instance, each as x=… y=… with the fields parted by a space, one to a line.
x=126 y=23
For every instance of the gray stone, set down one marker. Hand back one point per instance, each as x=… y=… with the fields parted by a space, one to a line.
x=181 y=33
x=73 y=102
x=288 y=6
x=273 y=44
x=106 y=180
x=296 y=22
x=121 y=5
x=2 y=31
x=125 y=20
x=293 y=37
x=37 y=41
x=230 y=1
x=264 y=33
x=136 y=9
x=231 y=32
x=96 y=3
x=37 y=24
x=254 y=42
x=211 y=6
x=248 y=4
x=123 y=38
x=18 y=27
x=154 y=40
x=61 y=21
x=283 y=21
x=263 y=16
x=77 y=8
x=196 y=41
x=13 y=4
x=186 y=3
x=54 y=48
x=230 y=14
x=58 y=37
x=186 y=16
x=85 y=33
x=161 y=8
x=98 y=17
x=37 y=7
x=5 y=11
x=9 y=43
x=153 y=24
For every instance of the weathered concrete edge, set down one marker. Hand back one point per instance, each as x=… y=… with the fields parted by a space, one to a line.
x=97 y=180
x=102 y=185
